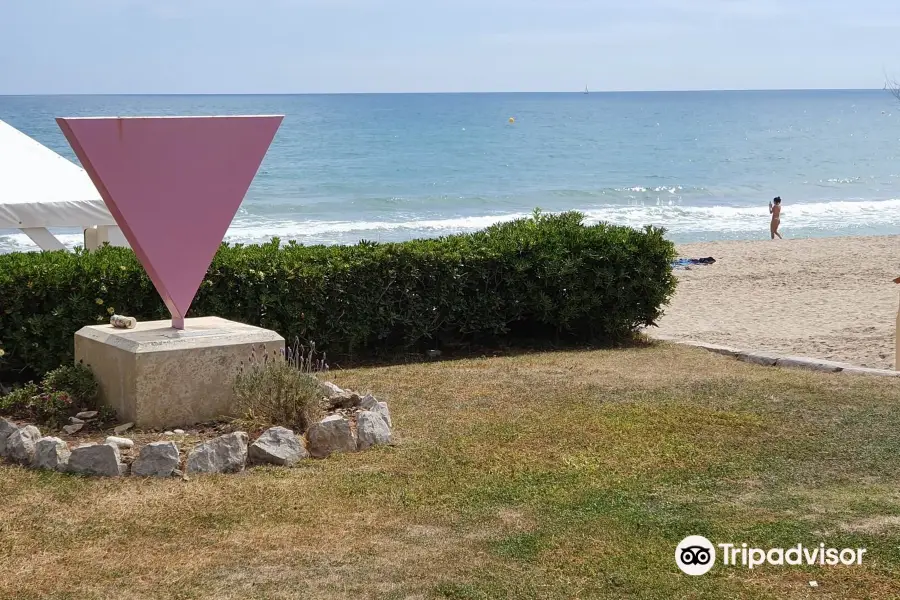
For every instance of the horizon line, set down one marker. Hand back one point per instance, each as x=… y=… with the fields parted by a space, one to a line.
x=447 y=93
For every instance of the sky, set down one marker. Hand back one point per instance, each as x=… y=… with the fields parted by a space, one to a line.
x=337 y=46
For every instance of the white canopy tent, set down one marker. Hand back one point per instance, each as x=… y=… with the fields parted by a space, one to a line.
x=39 y=189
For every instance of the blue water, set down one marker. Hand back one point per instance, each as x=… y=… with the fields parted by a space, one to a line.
x=392 y=167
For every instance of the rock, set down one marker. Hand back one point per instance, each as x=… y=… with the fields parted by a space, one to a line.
x=812 y=364
x=75 y=421
x=330 y=390
x=277 y=446
x=714 y=348
x=382 y=409
x=759 y=358
x=368 y=402
x=7 y=428
x=87 y=414
x=119 y=442
x=345 y=401
x=97 y=459
x=432 y=353
x=331 y=434
x=21 y=445
x=178 y=432
x=51 y=453
x=122 y=428
x=873 y=372
x=224 y=454
x=157 y=459
x=371 y=430
x=168 y=433
x=74 y=428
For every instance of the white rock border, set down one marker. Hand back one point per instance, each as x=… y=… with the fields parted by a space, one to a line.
x=228 y=453
x=771 y=359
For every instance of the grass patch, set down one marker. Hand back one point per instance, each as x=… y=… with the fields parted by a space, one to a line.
x=520 y=546
x=556 y=475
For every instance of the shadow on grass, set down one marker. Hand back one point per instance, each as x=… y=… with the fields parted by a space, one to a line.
x=516 y=348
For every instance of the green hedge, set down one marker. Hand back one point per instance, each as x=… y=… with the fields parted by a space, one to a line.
x=548 y=278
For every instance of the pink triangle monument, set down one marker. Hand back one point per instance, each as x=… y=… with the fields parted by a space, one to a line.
x=173 y=185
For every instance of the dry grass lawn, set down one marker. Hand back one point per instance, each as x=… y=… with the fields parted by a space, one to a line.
x=563 y=475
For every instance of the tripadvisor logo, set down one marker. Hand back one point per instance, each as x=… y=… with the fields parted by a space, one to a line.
x=696 y=555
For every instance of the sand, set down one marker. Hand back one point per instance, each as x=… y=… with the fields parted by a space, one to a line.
x=831 y=298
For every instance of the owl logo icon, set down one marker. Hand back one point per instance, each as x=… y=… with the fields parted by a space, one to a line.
x=695 y=555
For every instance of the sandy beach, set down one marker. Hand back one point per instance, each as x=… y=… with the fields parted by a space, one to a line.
x=831 y=298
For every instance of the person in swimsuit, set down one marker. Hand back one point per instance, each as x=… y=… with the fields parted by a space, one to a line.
x=775 y=211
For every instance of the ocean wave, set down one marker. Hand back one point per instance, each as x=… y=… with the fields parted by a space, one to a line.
x=681 y=220
x=842 y=180
x=813 y=215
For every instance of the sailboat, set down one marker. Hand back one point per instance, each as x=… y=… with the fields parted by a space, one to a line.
x=585 y=90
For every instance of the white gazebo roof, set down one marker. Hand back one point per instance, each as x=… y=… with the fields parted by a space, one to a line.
x=41 y=189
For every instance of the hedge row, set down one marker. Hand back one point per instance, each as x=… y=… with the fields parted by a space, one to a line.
x=549 y=277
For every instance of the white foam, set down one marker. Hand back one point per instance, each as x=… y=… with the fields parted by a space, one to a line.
x=438 y=226
x=677 y=219
x=731 y=219
x=19 y=242
x=681 y=220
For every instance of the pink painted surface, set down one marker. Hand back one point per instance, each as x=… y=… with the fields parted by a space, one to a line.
x=173 y=185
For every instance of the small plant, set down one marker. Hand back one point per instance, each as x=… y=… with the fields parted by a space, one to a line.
x=78 y=381
x=53 y=408
x=17 y=402
x=305 y=359
x=62 y=393
x=275 y=390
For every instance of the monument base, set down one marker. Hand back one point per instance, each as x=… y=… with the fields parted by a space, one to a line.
x=159 y=377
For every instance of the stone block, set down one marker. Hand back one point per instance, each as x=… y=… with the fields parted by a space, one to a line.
x=766 y=359
x=330 y=435
x=811 y=364
x=371 y=430
x=224 y=454
x=277 y=446
x=157 y=459
x=158 y=377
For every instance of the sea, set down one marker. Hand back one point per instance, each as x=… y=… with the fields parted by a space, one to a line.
x=391 y=167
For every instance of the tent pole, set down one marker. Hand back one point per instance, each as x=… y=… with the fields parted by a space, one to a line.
x=43 y=238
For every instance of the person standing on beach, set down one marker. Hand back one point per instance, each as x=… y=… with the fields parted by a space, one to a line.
x=775 y=211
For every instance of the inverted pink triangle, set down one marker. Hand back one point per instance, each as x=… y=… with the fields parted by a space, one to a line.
x=173 y=185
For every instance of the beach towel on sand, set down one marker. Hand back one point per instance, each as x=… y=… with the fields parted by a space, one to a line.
x=685 y=263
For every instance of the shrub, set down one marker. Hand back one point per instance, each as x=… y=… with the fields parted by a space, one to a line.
x=76 y=380
x=548 y=278
x=3 y=389
x=277 y=391
x=63 y=393
x=18 y=402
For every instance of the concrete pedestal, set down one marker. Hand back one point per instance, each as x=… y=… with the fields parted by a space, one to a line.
x=159 y=377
